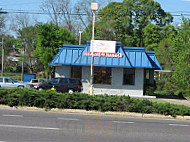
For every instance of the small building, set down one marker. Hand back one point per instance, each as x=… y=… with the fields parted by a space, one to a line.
x=117 y=70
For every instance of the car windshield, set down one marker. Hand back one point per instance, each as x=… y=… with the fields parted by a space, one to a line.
x=34 y=81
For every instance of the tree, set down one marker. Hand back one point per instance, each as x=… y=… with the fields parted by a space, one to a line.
x=83 y=10
x=127 y=19
x=182 y=56
x=166 y=45
x=2 y=20
x=151 y=36
x=174 y=54
x=26 y=42
x=21 y=21
x=73 y=16
x=49 y=39
x=25 y=29
x=168 y=31
x=9 y=51
x=60 y=12
x=164 y=53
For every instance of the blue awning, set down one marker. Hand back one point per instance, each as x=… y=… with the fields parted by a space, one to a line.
x=132 y=57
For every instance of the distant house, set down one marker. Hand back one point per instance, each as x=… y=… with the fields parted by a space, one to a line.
x=13 y=56
x=117 y=70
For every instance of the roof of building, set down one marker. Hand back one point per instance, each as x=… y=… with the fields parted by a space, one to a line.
x=132 y=57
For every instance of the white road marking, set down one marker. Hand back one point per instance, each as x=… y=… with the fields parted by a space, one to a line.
x=3 y=141
x=7 y=115
x=28 y=127
x=123 y=122
x=72 y=119
x=181 y=125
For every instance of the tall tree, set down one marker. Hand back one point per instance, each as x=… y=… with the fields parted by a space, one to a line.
x=50 y=38
x=9 y=52
x=60 y=12
x=174 y=54
x=83 y=10
x=2 y=19
x=72 y=15
x=151 y=36
x=165 y=47
x=25 y=29
x=127 y=19
x=182 y=56
x=26 y=41
x=20 y=21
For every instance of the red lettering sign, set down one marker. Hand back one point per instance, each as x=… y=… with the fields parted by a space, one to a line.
x=103 y=54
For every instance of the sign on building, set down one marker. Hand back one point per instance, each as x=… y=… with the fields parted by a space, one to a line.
x=103 y=48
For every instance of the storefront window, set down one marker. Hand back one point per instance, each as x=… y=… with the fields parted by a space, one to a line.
x=76 y=72
x=128 y=76
x=102 y=75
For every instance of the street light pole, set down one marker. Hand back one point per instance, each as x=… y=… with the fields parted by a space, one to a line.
x=94 y=7
x=23 y=56
x=2 y=57
x=80 y=32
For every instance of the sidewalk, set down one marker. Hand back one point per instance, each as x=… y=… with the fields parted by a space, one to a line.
x=173 y=99
x=177 y=101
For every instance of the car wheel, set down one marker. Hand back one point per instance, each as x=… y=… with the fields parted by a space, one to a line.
x=40 y=89
x=20 y=86
x=70 y=91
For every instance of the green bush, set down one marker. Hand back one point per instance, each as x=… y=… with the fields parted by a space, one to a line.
x=149 y=89
x=52 y=99
x=186 y=93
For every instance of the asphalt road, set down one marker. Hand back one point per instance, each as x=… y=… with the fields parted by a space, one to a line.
x=23 y=126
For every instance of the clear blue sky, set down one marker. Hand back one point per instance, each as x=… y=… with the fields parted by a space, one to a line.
x=176 y=7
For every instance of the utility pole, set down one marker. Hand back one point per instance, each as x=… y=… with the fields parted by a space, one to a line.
x=2 y=57
x=2 y=50
x=23 y=56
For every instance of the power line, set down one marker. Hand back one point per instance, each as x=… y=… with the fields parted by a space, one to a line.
x=45 y=13
x=180 y=15
x=18 y=4
x=179 y=11
x=38 y=12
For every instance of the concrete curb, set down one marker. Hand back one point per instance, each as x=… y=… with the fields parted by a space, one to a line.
x=84 y=112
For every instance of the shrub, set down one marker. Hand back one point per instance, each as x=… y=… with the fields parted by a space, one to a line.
x=186 y=93
x=51 y=99
x=149 y=89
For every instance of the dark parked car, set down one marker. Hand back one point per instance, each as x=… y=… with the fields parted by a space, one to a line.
x=62 y=85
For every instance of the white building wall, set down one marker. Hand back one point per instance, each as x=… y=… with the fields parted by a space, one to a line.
x=116 y=88
x=85 y=78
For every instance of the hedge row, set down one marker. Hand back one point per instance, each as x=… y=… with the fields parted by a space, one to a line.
x=51 y=99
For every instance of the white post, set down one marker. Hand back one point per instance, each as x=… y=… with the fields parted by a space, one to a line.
x=94 y=7
x=2 y=58
x=23 y=56
x=80 y=32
